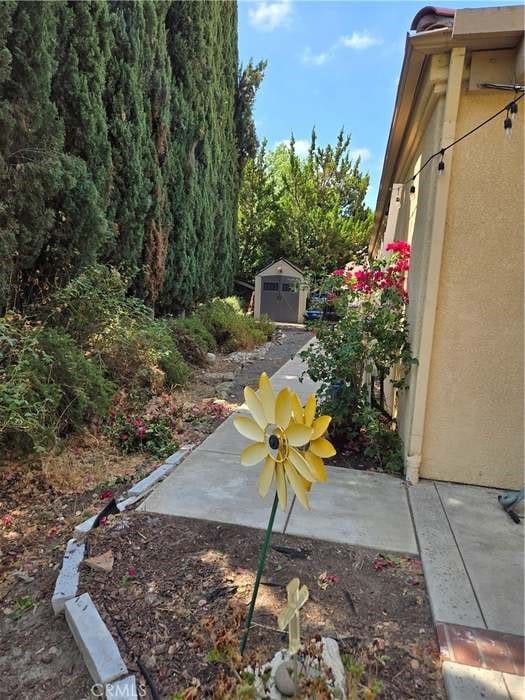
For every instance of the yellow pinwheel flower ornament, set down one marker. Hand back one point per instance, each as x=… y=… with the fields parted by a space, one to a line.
x=287 y=437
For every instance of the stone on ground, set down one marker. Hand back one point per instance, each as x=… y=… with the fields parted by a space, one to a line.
x=98 y=648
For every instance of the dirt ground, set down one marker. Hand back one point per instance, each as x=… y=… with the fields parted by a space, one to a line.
x=43 y=497
x=179 y=588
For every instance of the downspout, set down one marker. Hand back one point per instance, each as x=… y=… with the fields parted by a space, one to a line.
x=414 y=447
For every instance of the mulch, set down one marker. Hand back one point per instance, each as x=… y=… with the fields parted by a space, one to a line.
x=179 y=588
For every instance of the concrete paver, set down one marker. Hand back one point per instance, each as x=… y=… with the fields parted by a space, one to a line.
x=515 y=686
x=452 y=598
x=469 y=683
x=491 y=546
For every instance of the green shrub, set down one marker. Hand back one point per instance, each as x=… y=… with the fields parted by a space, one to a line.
x=93 y=304
x=47 y=384
x=136 y=350
x=192 y=339
x=136 y=434
x=85 y=393
x=231 y=328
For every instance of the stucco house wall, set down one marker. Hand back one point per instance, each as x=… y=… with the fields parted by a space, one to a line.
x=474 y=425
x=462 y=417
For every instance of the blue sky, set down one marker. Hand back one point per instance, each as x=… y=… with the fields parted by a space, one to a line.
x=330 y=64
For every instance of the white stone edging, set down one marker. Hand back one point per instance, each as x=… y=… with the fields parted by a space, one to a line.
x=96 y=645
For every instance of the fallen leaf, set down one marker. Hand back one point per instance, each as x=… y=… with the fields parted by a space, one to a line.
x=102 y=562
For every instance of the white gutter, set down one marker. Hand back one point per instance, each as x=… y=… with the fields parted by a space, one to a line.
x=414 y=446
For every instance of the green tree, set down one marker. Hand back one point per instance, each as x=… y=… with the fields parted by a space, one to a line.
x=319 y=219
x=119 y=142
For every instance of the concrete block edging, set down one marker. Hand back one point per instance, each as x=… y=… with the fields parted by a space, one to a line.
x=99 y=650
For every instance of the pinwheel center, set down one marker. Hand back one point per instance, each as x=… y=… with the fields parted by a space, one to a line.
x=277 y=443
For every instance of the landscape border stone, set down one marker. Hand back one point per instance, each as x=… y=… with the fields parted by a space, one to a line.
x=160 y=472
x=125 y=689
x=66 y=585
x=98 y=648
x=95 y=642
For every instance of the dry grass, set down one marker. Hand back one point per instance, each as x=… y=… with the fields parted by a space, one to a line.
x=85 y=461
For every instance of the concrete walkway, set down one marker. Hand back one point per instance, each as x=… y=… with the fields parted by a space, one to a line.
x=472 y=556
x=360 y=508
x=472 y=553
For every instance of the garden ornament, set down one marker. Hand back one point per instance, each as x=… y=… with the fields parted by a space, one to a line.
x=278 y=431
x=509 y=501
x=318 y=447
x=289 y=617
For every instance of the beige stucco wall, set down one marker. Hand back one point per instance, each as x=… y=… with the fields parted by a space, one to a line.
x=413 y=225
x=474 y=425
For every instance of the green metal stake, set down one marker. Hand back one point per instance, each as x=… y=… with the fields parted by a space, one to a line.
x=260 y=568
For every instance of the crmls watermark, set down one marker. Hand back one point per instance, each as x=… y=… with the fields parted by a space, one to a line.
x=115 y=691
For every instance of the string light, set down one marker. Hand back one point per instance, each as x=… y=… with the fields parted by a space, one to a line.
x=507 y=125
x=441 y=164
x=511 y=110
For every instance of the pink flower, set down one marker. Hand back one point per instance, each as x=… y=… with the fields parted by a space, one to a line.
x=7 y=520
x=132 y=572
x=105 y=494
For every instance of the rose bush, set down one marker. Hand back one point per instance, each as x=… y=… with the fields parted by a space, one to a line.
x=365 y=347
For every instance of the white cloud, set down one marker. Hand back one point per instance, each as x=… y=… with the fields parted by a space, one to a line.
x=315 y=59
x=359 y=41
x=362 y=153
x=302 y=146
x=267 y=16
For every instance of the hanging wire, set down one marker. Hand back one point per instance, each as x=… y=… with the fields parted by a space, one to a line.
x=509 y=107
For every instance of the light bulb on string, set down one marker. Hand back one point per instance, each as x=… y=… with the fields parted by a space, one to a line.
x=513 y=110
x=507 y=124
x=412 y=190
x=441 y=164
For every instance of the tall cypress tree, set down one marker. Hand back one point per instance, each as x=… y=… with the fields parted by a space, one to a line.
x=128 y=133
x=39 y=183
x=119 y=131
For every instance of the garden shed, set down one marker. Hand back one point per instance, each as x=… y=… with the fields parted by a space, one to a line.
x=281 y=292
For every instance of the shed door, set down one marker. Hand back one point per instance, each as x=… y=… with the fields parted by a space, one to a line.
x=280 y=298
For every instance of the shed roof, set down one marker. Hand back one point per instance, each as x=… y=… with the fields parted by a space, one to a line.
x=278 y=261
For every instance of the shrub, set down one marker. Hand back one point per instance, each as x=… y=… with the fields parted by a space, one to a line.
x=85 y=393
x=188 y=336
x=136 y=434
x=370 y=339
x=47 y=384
x=231 y=328
x=136 y=350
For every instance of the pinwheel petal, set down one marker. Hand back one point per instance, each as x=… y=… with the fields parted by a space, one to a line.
x=320 y=426
x=300 y=463
x=297 y=484
x=249 y=428
x=316 y=465
x=283 y=408
x=309 y=410
x=267 y=397
x=298 y=434
x=266 y=476
x=297 y=409
x=255 y=406
x=280 y=482
x=254 y=454
x=322 y=448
